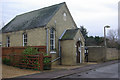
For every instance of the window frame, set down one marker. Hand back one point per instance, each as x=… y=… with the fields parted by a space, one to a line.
x=8 y=41
x=25 y=39
x=52 y=38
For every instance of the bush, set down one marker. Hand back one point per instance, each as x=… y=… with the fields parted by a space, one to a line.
x=6 y=61
x=46 y=60
x=45 y=54
x=30 y=51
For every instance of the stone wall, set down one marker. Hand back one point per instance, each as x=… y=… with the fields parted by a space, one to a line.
x=68 y=55
x=112 y=53
x=98 y=54
x=36 y=37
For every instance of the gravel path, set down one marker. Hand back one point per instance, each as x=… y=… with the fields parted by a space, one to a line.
x=9 y=71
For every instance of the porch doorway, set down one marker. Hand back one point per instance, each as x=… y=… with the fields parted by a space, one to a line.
x=78 y=44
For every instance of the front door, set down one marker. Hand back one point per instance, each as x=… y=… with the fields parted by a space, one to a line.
x=78 y=44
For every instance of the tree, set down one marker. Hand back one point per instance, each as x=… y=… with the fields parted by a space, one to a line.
x=90 y=41
x=99 y=40
x=112 y=35
x=84 y=31
x=112 y=38
x=95 y=41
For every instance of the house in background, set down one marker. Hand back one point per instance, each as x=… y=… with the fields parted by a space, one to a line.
x=52 y=27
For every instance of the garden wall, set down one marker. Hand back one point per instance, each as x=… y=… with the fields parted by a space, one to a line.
x=19 y=50
x=98 y=54
x=112 y=53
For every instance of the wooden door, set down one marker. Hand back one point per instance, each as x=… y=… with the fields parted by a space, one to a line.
x=78 y=51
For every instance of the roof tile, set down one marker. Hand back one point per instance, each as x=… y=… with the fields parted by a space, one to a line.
x=33 y=19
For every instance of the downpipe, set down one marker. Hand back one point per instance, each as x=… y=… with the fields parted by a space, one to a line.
x=59 y=58
x=47 y=39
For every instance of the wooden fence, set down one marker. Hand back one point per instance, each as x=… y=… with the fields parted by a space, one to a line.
x=28 y=61
x=19 y=50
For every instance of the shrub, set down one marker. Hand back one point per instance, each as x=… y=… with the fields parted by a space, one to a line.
x=30 y=51
x=46 y=60
x=45 y=54
x=6 y=61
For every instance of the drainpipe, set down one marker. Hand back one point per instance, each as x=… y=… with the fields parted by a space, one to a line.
x=60 y=52
x=47 y=39
x=59 y=48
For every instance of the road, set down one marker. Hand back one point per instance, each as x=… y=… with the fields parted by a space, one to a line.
x=109 y=71
x=93 y=72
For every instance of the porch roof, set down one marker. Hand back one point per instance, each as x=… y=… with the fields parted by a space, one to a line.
x=69 y=34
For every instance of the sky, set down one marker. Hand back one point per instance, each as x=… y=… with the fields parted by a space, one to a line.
x=92 y=14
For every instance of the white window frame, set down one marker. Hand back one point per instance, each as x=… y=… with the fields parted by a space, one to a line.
x=8 y=41
x=52 y=45
x=24 y=37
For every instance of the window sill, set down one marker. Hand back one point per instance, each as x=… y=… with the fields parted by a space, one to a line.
x=52 y=52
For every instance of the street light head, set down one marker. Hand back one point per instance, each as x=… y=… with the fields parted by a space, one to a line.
x=107 y=26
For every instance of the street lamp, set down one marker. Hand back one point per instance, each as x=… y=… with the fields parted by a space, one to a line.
x=105 y=45
x=105 y=35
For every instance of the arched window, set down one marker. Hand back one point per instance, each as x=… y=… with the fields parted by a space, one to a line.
x=52 y=39
x=8 y=41
x=64 y=16
x=24 y=39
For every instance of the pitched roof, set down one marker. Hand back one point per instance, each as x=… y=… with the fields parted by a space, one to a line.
x=33 y=19
x=69 y=34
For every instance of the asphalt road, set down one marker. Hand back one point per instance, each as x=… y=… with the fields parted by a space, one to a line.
x=109 y=71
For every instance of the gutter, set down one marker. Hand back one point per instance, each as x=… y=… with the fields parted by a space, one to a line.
x=59 y=48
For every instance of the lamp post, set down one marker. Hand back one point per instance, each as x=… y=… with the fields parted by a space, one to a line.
x=105 y=35
x=105 y=45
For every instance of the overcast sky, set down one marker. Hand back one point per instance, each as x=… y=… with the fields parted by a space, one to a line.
x=93 y=14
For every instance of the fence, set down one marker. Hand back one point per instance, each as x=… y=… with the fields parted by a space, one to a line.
x=19 y=50
x=27 y=61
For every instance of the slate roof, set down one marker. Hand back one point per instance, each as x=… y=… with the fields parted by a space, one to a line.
x=69 y=34
x=33 y=19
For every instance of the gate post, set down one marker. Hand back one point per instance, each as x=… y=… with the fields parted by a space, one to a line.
x=41 y=61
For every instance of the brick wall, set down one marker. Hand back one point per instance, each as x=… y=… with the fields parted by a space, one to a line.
x=19 y=50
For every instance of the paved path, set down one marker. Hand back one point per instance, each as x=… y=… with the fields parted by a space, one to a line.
x=63 y=73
